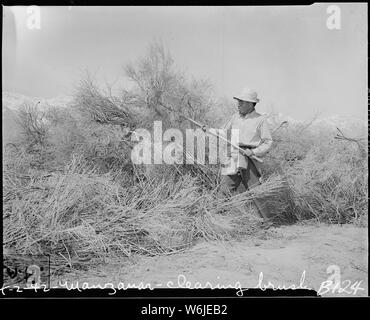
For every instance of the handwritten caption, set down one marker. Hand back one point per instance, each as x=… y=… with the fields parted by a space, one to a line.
x=333 y=284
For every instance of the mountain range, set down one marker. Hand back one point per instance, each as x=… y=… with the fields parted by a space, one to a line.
x=13 y=100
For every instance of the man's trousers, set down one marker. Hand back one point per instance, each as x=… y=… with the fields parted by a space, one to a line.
x=249 y=177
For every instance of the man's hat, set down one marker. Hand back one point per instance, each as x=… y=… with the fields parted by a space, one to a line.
x=248 y=95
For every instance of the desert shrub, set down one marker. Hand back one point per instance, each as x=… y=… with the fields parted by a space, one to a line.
x=158 y=84
x=95 y=104
x=65 y=134
x=31 y=121
x=220 y=112
x=105 y=147
x=327 y=177
x=333 y=183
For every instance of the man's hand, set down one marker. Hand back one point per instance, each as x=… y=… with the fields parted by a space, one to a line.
x=248 y=152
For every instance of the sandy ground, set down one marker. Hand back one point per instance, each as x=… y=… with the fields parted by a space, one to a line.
x=285 y=256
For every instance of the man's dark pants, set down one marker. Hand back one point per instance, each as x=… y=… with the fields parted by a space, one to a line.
x=249 y=178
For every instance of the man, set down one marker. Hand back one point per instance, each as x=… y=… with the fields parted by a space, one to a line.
x=255 y=138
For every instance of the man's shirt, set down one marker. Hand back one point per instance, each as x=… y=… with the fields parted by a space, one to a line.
x=254 y=132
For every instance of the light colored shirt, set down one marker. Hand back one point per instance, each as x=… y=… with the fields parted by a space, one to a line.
x=254 y=132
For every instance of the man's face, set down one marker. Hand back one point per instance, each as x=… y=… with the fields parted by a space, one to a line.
x=245 y=107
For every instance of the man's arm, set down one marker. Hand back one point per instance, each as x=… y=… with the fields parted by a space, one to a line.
x=266 y=139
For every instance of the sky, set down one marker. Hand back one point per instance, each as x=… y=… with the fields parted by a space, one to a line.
x=298 y=66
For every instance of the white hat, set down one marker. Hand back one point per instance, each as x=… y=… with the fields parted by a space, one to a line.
x=248 y=95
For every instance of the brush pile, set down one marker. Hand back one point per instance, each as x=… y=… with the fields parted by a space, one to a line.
x=78 y=214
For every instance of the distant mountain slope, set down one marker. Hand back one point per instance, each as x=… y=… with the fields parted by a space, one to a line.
x=350 y=125
x=13 y=100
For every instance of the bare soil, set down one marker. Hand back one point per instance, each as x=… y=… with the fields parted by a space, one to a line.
x=282 y=254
